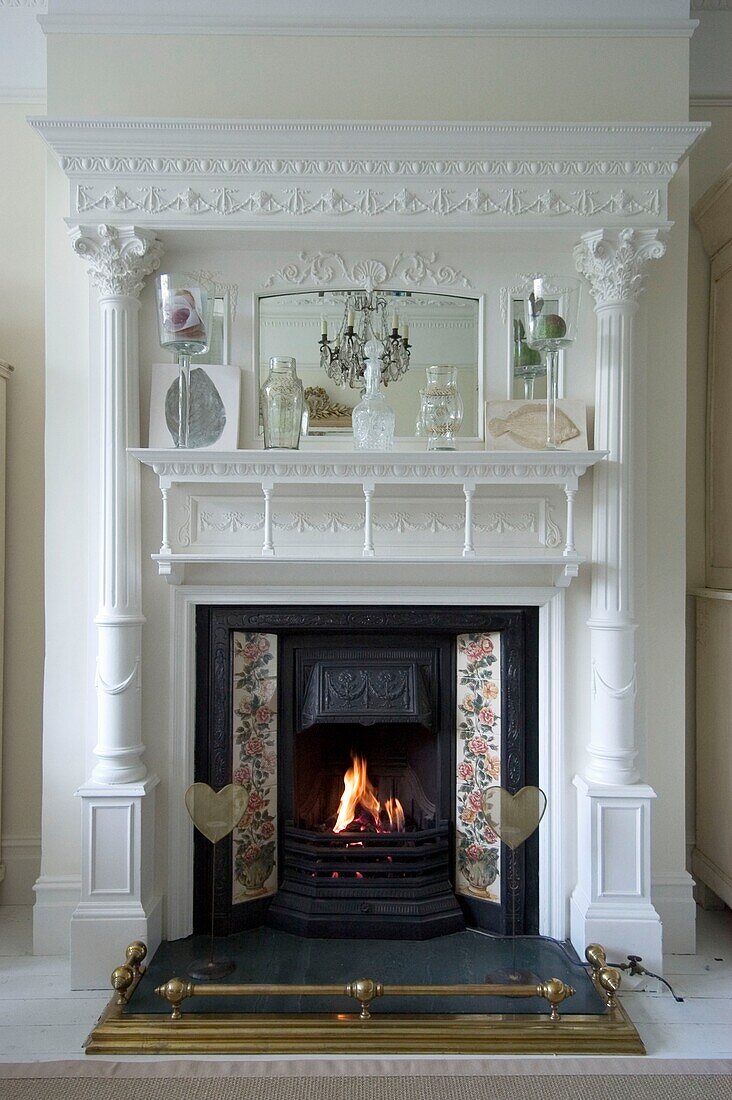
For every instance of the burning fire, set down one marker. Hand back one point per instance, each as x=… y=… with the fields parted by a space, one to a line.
x=359 y=803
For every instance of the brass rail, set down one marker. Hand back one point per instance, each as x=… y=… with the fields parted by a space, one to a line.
x=364 y=990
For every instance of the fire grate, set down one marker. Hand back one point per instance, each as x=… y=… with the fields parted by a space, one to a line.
x=331 y=882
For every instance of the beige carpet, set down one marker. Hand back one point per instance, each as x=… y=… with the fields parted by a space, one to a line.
x=559 y=1087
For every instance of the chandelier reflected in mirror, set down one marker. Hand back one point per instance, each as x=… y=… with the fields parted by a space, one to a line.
x=367 y=315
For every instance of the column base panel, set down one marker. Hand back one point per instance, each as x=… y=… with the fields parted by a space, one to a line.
x=622 y=933
x=94 y=940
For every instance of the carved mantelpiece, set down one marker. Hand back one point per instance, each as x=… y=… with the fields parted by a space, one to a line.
x=325 y=473
x=143 y=179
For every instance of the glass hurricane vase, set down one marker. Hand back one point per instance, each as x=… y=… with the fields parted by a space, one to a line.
x=441 y=408
x=184 y=323
x=551 y=312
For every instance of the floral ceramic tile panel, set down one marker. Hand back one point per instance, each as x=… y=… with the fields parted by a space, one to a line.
x=255 y=764
x=477 y=848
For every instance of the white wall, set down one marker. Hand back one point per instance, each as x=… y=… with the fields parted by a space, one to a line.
x=504 y=78
x=711 y=91
x=22 y=183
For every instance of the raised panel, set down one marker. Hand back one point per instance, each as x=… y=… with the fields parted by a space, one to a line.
x=719 y=459
x=112 y=848
x=619 y=870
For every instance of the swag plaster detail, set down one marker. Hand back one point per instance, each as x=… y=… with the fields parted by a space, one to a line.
x=119 y=258
x=401 y=522
x=367 y=202
x=614 y=264
x=321 y=268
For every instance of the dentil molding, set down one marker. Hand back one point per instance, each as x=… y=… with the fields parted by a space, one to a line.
x=614 y=265
x=119 y=258
x=184 y=172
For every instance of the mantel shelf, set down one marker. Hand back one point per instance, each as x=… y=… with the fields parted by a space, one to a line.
x=328 y=469
x=357 y=468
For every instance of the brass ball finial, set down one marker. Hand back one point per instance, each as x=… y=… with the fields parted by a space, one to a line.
x=608 y=978
x=136 y=954
x=595 y=955
x=555 y=991
x=175 y=992
x=364 y=990
x=122 y=978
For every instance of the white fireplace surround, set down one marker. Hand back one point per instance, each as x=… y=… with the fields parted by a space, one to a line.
x=137 y=187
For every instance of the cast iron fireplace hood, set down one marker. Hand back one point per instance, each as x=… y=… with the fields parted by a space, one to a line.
x=366 y=692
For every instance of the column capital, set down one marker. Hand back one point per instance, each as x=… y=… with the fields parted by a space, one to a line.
x=119 y=257
x=613 y=262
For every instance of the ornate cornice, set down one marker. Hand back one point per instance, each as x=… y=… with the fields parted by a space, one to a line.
x=613 y=263
x=119 y=258
x=176 y=172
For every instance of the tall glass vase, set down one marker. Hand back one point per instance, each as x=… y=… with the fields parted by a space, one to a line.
x=282 y=400
x=184 y=323
x=551 y=311
x=441 y=408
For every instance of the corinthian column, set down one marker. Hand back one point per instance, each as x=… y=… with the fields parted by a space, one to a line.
x=614 y=266
x=119 y=260
x=118 y=903
x=611 y=903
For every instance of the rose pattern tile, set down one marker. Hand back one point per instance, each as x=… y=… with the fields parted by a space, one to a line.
x=254 y=764
x=477 y=848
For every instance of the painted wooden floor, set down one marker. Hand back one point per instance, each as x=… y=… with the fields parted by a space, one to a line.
x=42 y=1019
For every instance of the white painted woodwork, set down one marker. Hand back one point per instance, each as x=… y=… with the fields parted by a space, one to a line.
x=118 y=903
x=322 y=474
x=712 y=854
x=348 y=175
x=119 y=260
x=5 y=372
x=613 y=806
x=181 y=179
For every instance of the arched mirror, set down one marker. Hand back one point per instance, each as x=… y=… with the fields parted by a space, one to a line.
x=325 y=330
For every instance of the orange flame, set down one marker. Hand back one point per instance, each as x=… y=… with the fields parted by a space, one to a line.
x=358 y=791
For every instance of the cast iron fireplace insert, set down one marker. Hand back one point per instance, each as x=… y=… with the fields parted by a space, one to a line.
x=365 y=822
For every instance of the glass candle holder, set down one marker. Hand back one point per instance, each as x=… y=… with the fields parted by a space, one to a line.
x=551 y=312
x=184 y=324
x=282 y=400
x=441 y=408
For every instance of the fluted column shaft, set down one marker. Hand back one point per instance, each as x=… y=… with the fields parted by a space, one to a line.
x=613 y=263
x=119 y=259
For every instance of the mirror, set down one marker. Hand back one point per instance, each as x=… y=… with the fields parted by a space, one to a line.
x=442 y=328
x=527 y=368
x=218 y=351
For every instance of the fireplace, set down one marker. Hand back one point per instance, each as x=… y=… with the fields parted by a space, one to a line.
x=365 y=736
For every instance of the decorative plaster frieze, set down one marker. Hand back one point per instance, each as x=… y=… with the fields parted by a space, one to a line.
x=614 y=264
x=275 y=167
x=400 y=522
x=180 y=172
x=321 y=268
x=368 y=202
x=119 y=258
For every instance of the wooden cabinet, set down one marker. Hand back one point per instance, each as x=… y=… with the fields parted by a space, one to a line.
x=5 y=372
x=712 y=855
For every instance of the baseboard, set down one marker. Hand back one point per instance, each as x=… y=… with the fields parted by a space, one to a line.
x=712 y=876
x=673 y=899
x=21 y=859
x=56 y=899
